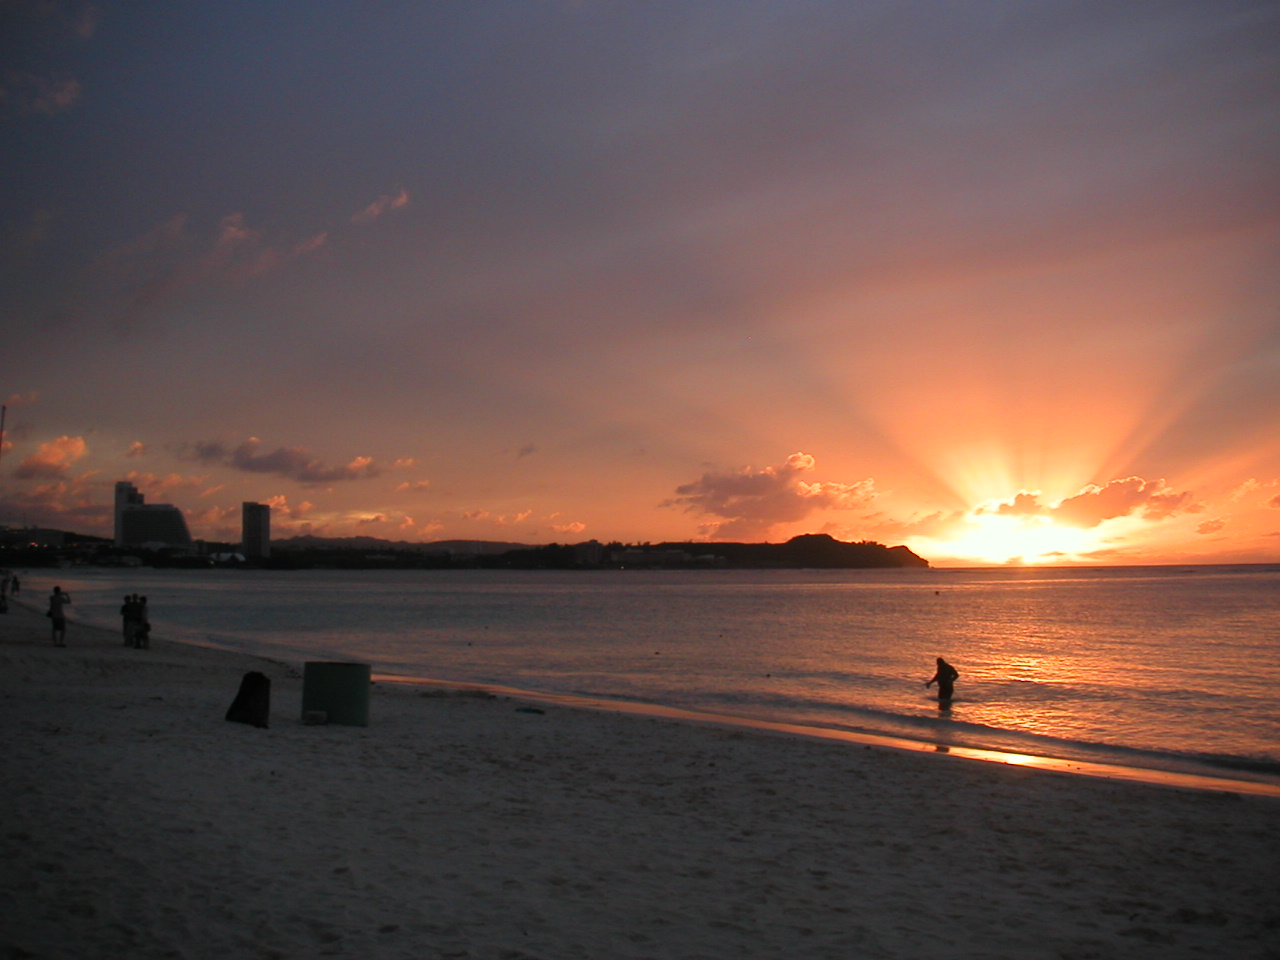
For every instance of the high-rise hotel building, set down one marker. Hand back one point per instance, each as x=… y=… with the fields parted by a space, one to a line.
x=139 y=523
x=255 y=530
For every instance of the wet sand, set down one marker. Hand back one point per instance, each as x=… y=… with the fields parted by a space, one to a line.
x=137 y=822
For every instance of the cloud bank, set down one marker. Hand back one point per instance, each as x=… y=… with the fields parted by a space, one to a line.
x=1132 y=496
x=750 y=503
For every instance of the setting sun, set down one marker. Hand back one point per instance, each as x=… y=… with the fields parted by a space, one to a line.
x=991 y=538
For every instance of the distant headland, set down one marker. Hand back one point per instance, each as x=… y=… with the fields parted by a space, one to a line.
x=40 y=548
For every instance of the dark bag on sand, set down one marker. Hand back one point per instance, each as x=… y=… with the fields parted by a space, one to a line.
x=252 y=704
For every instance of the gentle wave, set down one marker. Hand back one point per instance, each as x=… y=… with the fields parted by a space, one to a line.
x=946 y=729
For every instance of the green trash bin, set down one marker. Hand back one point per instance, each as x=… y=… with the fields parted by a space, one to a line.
x=338 y=690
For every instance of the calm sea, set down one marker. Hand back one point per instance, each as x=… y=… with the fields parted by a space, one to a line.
x=1158 y=666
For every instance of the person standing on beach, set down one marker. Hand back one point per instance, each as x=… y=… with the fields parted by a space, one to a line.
x=945 y=678
x=142 y=633
x=129 y=619
x=57 y=613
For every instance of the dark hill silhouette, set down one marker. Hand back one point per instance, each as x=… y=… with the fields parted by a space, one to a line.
x=806 y=550
x=812 y=550
x=817 y=550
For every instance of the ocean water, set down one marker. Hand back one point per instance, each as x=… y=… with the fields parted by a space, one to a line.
x=1157 y=666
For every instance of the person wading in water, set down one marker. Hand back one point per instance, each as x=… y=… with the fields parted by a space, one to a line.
x=945 y=678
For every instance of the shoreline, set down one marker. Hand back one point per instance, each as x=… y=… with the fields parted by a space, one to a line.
x=1188 y=774
x=1150 y=776
x=465 y=823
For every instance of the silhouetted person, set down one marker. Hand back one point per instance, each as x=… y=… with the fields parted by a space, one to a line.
x=142 y=635
x=129 y=620
x=57 y=613
x=945 y=678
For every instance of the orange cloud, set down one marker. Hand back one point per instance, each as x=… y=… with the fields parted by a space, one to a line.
x=750 y=502
x=413 y=487
x=1154 y=500
x=157 y=486
x=506 y=521
x=61 y=504
x=213 y=516
x=1151 y=499
x=280 y=504
x=52 y=460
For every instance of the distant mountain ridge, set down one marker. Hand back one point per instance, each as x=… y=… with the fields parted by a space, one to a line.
x=806 y=550
x=482 y=548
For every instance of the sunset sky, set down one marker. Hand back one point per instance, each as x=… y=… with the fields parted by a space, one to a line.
x=990 y=279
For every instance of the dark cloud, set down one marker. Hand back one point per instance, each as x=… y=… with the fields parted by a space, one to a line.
x=292 y=463
x=750 y=503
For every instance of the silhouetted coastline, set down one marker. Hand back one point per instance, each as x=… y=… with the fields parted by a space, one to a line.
x=807 y=551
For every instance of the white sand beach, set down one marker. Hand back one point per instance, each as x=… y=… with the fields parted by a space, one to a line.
x=137 y=822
